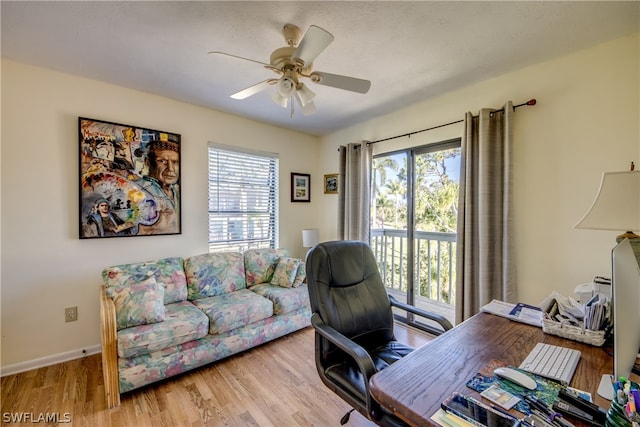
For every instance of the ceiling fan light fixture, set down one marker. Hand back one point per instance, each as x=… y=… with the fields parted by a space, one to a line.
x=304 y=94
x=286 y=87
x=280 y=100
x=308 y=108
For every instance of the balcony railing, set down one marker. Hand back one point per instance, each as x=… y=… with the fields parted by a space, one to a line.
x=434 y=268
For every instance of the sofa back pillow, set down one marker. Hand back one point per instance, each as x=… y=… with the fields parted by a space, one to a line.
x=214 y=274
x=259 y=264
x=168 y=271
x=285 y=272
x=301 y=275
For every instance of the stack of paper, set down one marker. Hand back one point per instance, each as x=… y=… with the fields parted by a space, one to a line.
x=596 y=316
x=520 y=312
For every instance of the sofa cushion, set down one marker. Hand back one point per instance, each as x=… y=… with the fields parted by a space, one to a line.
x=301 y=275
x=285 y=272
x=285 y=300
x=214 y=274
x=135 y=372
x=183 y=323
x=138 y=304
x=259 y=264
x=168 y=272
x=230 y=311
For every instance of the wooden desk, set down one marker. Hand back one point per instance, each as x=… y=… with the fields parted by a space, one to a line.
x=414 y=387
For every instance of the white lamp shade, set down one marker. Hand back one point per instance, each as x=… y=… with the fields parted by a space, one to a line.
x=286 y=87
x=617 y=205
x=308 y=108
x=310 y=237
x=280 y=100
x=304 y=94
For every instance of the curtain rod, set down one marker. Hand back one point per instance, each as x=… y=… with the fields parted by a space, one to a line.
x=530 y=102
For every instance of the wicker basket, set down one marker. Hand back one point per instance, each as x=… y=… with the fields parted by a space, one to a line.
x=565 y=330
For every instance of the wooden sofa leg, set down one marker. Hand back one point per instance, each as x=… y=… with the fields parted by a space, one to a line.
x=109 y=339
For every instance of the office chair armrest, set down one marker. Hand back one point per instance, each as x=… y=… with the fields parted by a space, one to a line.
x=441 y=320
x=359 y=355
x=356 y=351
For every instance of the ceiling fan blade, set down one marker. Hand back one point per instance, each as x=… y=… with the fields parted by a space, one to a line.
x=312 y=44
x=239 y=57
x=341 y=82
x=252 y=90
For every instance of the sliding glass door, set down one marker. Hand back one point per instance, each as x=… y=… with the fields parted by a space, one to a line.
x=413 y=224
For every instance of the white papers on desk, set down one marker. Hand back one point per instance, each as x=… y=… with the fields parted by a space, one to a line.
x=523 y=313
x=586 y=291
x=529 y=315
x=498 y=307
x=596 y=313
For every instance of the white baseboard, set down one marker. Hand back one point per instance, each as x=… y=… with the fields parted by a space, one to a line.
x=49 y=360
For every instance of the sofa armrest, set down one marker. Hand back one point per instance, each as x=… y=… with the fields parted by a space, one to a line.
x=109 y=340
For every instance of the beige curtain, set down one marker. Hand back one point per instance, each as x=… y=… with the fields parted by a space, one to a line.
x=485 y=268
x=354 y=192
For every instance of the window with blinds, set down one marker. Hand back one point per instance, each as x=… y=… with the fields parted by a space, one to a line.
x=243 y=199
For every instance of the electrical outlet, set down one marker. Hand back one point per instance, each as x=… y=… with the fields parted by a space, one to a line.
x=70 y=314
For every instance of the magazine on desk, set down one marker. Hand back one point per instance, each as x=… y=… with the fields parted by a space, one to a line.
x=524 y=313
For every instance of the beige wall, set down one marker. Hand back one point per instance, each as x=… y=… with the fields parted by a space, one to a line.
x=45 y=267
x=586 y=122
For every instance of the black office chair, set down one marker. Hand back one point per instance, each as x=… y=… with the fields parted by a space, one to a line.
x=353 y=324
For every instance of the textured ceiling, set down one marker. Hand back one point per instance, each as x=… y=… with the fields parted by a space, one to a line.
x=409 y=50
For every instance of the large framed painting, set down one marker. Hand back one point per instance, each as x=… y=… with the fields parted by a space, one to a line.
x=129 y=180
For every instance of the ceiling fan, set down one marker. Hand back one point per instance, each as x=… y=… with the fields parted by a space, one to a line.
x=293 y=63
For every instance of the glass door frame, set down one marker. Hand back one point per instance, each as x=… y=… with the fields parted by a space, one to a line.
x=411 y=154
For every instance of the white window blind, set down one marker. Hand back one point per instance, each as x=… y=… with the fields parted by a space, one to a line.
x=243 y=199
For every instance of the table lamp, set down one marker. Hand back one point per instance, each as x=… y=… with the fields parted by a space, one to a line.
x=617 y=207
x=310 y=237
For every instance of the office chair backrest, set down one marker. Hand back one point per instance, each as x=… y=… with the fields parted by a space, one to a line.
x=346 y=290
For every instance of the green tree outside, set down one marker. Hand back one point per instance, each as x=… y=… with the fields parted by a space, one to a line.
x=435 y=204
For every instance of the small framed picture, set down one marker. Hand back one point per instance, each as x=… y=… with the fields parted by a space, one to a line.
x=300 y=187
x=331 y=184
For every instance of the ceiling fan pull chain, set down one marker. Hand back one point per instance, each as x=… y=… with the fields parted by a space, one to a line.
x=291 y=116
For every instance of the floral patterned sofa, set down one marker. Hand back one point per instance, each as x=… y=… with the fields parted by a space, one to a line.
x=165 y=317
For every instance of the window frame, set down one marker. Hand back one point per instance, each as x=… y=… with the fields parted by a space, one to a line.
x=240 y=213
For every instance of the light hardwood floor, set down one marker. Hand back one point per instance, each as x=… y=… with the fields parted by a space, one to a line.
x=275 y=384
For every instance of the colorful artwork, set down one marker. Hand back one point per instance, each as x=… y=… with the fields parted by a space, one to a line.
x=129 y=180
